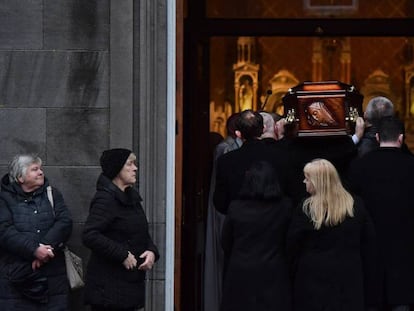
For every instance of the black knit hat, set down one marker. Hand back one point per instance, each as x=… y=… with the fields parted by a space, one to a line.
x=113 y=160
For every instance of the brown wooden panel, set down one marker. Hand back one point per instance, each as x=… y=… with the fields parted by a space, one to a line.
x=179 y=151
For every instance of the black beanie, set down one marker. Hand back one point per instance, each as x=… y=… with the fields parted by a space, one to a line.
x=113 y=160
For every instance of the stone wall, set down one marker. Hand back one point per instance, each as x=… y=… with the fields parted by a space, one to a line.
x=67 y=92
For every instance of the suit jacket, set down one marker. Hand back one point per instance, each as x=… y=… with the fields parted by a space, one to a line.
x=340 y=151
x=384 y=180
x=232 y=166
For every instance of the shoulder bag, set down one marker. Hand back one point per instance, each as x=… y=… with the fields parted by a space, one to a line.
x=74 y=269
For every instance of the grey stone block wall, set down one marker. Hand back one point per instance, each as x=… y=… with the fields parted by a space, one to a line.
x=78 y=77
x=54 y=79
x=21 y=24
x=150 y=127
x=22 y=130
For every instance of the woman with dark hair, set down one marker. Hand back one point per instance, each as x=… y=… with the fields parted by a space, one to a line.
x=253 y=239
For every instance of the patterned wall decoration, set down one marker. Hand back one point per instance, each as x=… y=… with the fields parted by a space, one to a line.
x=295 y=55
x=299 y=9
x=368 y=55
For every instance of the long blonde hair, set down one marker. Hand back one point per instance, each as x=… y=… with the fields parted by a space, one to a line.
x=330 y=203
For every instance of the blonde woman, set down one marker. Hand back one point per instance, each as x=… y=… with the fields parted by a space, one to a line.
x=329 y=241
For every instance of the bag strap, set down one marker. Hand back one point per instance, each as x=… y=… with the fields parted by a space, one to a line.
x=50 y=197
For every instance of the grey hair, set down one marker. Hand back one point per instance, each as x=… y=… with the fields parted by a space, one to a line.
x=268 y=122
x=377 y=108
x=19 y=165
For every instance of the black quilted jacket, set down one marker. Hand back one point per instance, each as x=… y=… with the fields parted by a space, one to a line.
x=25 y=221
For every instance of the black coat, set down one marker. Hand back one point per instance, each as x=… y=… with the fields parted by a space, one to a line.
x=232 y=166
x=384 y=180
x=369 y=142
x=26 y=221
x=115 y=225
x=339 y=150
x=328 y=264
x=253 y=238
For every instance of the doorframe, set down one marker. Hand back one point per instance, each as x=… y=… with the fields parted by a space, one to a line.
x=175 y=60
x=198 y=30
x=171 y=172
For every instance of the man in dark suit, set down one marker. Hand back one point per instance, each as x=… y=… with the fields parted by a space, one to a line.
x=232 y=166
x=377 y=108
x=384 y=180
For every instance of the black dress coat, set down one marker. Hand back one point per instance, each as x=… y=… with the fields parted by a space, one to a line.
x=232 y=166
x=340 y=151
x=368 y=141
x=25 y=221
x=253 y=238
x=115 y=225
x=384 y=180
x=330 y=265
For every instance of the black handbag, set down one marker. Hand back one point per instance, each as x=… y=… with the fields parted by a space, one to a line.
x=32 y=284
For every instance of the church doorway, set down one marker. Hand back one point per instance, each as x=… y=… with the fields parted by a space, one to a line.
x=376 y=55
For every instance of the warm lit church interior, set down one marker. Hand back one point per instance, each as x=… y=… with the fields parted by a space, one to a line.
x=247 y=70
x=248 y=55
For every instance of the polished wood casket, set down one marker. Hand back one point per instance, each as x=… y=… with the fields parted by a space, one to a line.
x=327 y=108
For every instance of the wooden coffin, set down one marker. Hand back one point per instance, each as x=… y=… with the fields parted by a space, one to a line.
x=322 y=108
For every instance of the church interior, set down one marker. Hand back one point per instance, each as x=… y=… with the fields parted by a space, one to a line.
x=248 y=54
x=265 y=68
x=250 y=71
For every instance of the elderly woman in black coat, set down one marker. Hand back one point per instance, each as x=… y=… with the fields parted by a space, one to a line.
x=253 y=238
x=116 y=231
x=331 y=242
x=32 y=236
